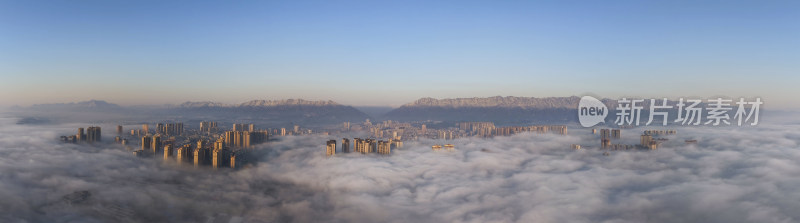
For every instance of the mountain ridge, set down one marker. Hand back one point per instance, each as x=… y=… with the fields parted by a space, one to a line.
x=259 y=103
x=93 y=103
x=498 y=101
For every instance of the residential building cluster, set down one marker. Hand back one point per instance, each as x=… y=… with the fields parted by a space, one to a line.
x=363 y=146
x=646 y=141
x=92 y=134
x=209 y=145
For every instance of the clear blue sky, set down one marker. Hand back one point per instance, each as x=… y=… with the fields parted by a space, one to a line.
x=390 y=53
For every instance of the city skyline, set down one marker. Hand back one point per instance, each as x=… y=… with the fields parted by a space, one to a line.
x=399 y=111
x=172 y=52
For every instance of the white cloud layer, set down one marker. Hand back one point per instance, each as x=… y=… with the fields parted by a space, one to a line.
x=736 y=174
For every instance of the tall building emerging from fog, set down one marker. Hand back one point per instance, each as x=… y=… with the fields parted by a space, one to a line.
x=244 y=139
x=81 y=136
x=156 y=143
x=119 y=130
x=645 y=140
x=605 y=143
x=220 y=158
x=147 y=141
x=200 y=156
x=384 y=147
x=345 y=145
x=146 y=128
x=616 y=133
x=605 y=133
x=184 y=153
x=93 y=134
x=397 y=143
x=168 y=151
x=331 y=148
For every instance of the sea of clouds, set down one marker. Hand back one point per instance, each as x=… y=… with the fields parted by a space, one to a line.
x=733 y=174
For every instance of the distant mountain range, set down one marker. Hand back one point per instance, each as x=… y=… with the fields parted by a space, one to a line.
x=501 y=110
x=498 y=102
x=258 y=103
x=272 y=112
x=290 y=111
x=84 y=105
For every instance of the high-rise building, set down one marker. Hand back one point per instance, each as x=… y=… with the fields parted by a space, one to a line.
x=201 y=143
x=208 y=126
x=156 y=143
x=605 y=133
x=184 y=153
x=645 y=140
x=171 y=129
x=331 y=148
x=365 y=145
x=219 y=144
x=372 y=145
x=233 y=160
x=80 y=136
x=345 y=145
x=247 y=139
x=230 y=136
x=147 y=141
x=384 y=147
x=93 y=134
x=398 y=143
x=201 y=156
x=605 y=143
x=283 y=131
x=653 y=145
x=616 y=133
x=220 y=158
x=119 y=130
x=356 y=145
x=168 y=151
x=146 y=128
x=239 y=127
x=204 y=126
x=424 y=128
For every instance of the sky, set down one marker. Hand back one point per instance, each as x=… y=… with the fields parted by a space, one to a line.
x=389 y=53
